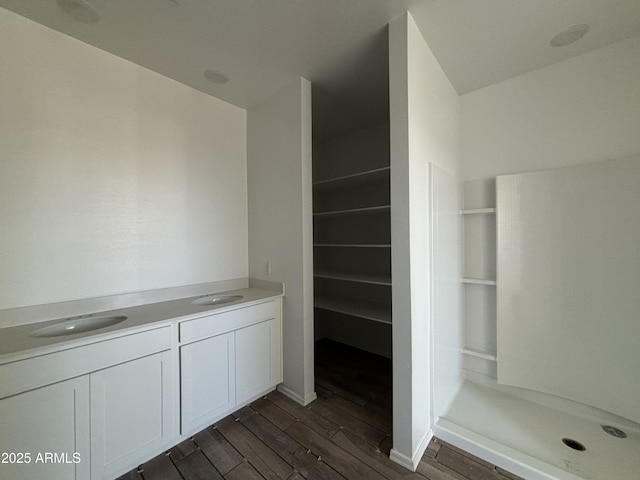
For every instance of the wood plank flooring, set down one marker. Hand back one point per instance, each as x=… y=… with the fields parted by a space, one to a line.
x=344 y=434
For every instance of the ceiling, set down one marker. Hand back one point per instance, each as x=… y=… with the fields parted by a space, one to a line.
x=340 y=45
x=482 y=42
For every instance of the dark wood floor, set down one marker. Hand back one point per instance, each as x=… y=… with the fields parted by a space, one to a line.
x=344 y=434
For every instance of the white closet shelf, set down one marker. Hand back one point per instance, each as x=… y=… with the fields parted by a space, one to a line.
x=475 y=352
x=353 y=245
x=478 y=281
x=355 y=277
x=353 y=178
x=352 y=211
x=369 y=311
x=476 y=211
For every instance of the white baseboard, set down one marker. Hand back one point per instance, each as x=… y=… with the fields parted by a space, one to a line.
x=401 y=459
x=304 y=401
x=412 y=463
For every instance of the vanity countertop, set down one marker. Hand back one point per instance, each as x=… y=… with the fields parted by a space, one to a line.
x=16 y=342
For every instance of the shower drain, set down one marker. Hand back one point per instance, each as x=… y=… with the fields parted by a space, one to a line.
x=614 y=432
x=574 y=444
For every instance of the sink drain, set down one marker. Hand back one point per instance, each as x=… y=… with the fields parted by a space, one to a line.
x=614 y=432
x=574 y=444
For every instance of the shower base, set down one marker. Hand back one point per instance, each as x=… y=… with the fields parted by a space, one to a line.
x=526 y=437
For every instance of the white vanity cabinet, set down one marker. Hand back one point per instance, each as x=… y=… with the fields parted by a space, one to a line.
x=228 y=359
x=207 y=382
x=44 y=433
x=99 y=406
x=258 y=359
x=89 y=412
x=129 y=418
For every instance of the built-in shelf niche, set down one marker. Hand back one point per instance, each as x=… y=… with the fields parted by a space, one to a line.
x=360 y=191
x=355 y=277
x=353 y=245
x=479 y=280
x=352 y=240
x=356 y=264
x=352 y=154
x=366 y=227
x=374 y=311
x=480 y=247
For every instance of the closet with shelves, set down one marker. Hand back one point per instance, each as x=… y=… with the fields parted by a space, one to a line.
x=352 y=240
x=479 y=276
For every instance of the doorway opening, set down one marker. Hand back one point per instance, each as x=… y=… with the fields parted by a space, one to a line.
x=352 y=237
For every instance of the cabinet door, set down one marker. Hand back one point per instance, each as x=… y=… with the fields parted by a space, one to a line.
x=258 y=359
x=51 y=425
x=130 y=414
x=207 y=376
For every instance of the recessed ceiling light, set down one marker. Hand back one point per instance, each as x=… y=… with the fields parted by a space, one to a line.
x=80 y=10
x=216 y=77
x=570 y=35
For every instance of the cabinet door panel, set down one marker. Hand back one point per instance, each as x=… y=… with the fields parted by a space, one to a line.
x=51 y=424
x=130 y=418
x=207 y=380
x=257 y=359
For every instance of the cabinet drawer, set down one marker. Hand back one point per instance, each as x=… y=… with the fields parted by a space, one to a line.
x=216 y=324
x=47 y=369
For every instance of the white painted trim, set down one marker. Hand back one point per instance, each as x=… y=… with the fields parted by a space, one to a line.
x=422 y=447
x=498 y=454
x=304 y=401
x=401 y=459
x=412 y=463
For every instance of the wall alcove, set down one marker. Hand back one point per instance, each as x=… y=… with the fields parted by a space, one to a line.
x=352 y=224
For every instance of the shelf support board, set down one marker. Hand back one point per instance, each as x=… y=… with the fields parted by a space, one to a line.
x=380 y=208
x=472 y=352
x=478 y=281
x=477 y=211
x=353 y=175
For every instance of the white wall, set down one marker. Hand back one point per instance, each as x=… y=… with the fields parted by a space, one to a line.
x=112 y=177
x=569 y=291
x=280 y=221
x=581 y=110
x=424 y=121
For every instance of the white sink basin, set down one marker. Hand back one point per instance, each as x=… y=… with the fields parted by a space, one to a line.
x=216 y=299
x=71 y=326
